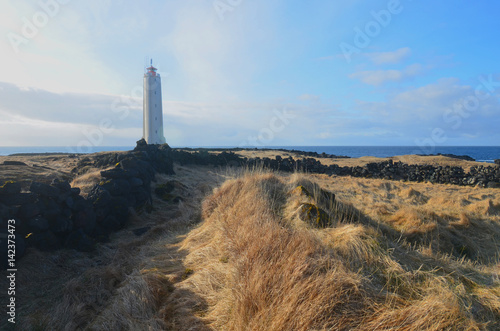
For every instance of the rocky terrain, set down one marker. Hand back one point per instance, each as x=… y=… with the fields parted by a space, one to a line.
x=98 y=227
x=54 y=215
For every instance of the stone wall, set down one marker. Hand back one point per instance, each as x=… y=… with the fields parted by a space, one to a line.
x=53 y=216
x=482 y=176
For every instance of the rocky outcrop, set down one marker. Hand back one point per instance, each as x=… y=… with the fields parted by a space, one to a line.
x=481 y=176
x=53 y=216
x=453 y=156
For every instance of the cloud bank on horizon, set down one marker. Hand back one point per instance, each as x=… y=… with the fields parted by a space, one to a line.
x=251 y=73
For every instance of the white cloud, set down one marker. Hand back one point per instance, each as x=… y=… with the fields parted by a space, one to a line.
x=416 y=112
x=309 y=97
x=219 y=59
x=389 y=57
x=379 y=77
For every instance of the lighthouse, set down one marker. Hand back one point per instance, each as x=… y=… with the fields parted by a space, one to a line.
x=152 y=109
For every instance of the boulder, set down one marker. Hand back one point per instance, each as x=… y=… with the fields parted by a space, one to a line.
x=115 y=173
x=28 y=211
x=5 y=212
x=162 y=189
x=99 y=197
x=14 y=163
x=493 y=185
x=141 y=196
x=61 y=224
x=84 y=219
x=38 y=225
x=75 y=191
x=45 y=241
x=140 y=231
x=116 y=187
x=80 y=241
x=111 y=224
x=135 y=182
x=10 y=187
x=63 y=186
x=119 y=208
x=314 y=215
x=44 y=190
x=81 y=204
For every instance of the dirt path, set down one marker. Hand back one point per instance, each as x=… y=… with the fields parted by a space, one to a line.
x=127 y=283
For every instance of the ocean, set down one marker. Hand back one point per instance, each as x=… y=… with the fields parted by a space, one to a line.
x=479 y=153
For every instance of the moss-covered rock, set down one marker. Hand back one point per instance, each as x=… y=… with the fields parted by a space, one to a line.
x=301 y=190
x=314 y=215
x=10 y=187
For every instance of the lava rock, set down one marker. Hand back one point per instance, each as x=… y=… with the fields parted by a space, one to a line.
x=140 y=231
x=38 y=225
x=80 y=241
x=44 y=190
x=85 y=219
x=45 y=241
x=135 y=182
x=61 y=224
x=14 y=163
x=10 y=188
x=99 y=196
x=28 y=210
x=116 y=187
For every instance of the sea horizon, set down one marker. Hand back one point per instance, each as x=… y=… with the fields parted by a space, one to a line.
x=479 y=153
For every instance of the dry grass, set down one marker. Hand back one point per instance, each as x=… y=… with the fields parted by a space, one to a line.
x=125 y=284
x=383 y=256
x=361 y=161
x=86 y=181
x=261 y=265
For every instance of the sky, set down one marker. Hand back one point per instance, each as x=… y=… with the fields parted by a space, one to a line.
x=251 y=73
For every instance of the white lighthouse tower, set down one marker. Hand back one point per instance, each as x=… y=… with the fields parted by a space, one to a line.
x=152 y=108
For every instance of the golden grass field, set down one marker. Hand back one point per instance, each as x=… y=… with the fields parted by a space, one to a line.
x=256 y=250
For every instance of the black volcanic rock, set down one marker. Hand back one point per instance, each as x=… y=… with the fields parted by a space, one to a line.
x=44 y=190
x=14 y=163
x=80 y=241
x=10 y=188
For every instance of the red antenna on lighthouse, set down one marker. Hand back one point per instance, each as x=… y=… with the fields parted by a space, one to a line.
x=151 y=69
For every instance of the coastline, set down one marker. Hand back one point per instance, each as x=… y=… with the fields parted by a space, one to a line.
x=108 y=261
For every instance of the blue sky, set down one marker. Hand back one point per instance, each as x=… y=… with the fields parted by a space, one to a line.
x=241 y=72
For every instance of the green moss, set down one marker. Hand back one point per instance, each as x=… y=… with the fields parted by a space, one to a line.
x=168 y=197
x=7 y=182
x=301 y=190
x=166 y=187
x=224 y=259
x=187 y=273
x=315 y=215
